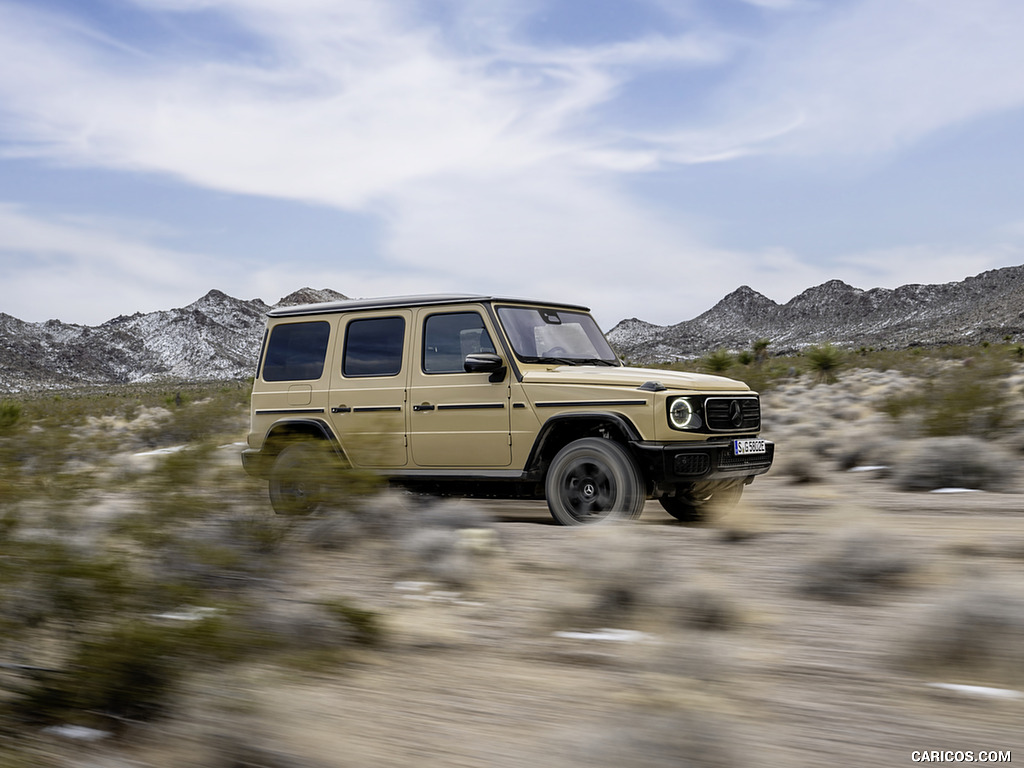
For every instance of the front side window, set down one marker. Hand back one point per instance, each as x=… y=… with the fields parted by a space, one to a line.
x=373 y=347
x=541 y=335
x=296 y=351
x=448 y=338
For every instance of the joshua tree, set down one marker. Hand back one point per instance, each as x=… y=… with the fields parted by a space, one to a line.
x=824 y=360
x=760 y=349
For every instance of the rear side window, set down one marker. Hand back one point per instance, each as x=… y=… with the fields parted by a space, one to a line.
x=373 y=347
x=296 y=352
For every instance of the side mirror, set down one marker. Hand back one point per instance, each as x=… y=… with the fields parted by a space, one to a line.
x=484 y=362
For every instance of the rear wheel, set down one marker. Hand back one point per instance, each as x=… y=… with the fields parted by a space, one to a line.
x=691 y=503
x=592 y=480
x=302 y=477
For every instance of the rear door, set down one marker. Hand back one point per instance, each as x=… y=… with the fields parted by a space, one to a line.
x=457 y=419
x=368 y=387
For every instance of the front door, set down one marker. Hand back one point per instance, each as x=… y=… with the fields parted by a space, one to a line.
x=457 y=419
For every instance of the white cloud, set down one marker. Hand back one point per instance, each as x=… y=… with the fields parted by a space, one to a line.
x=873 y=77
x=893 y=267
x=91 y=270
x=345 y=103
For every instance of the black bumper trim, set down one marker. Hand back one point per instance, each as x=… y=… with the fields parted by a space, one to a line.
x=687 y=462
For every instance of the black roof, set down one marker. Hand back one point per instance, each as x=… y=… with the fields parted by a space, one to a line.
x=391 y=302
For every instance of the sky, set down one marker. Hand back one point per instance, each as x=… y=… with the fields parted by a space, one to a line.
x=640 y=157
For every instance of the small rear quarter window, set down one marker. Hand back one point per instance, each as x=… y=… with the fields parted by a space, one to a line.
x=296 y=351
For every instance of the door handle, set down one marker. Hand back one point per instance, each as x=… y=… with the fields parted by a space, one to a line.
x=424 y=407
x=341 y=409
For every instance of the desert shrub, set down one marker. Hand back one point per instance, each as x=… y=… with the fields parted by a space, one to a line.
x=824 y=362
x=126 y=671
x=682 y=739
x=718 y=361
x=365 y=624
x=976 y=633
x=854 y=564
x=47 y=580
x=437 y=554
x=294 y=627
x=703 y=606
x=232 y=750
x=800 y=466
x=967 y=398
x=221 y=412
x=960 y=462
x=871 y=451
x=610 y=589
x=10 y=415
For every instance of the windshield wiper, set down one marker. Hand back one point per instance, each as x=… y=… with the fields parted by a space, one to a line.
x=570 y=360
x=559 y=360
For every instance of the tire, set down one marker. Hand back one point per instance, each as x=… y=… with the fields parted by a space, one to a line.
x=301 y=478
x=592 y=480
x=691 y=504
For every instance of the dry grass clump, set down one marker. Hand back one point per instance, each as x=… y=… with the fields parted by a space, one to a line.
x=973 y=635
x=437 y=540
x=619 y=578
x=642 y=739
x=954 y=462
x=233 y=751
x=616 y=576
x=800 y=465
x=701 y=605
x=870 y=451
x=855 y=564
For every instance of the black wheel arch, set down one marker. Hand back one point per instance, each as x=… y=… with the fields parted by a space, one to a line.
x=286 y=432
x=560 y=430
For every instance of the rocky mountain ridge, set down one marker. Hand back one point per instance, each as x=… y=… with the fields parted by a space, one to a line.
x=217 y=337
x=987 y=307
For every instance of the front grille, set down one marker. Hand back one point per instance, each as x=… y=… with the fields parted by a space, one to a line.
x=733 y=414
x=692 y=464
x=749 y=461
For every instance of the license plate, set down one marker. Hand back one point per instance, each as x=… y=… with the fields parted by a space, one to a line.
x=746 y=447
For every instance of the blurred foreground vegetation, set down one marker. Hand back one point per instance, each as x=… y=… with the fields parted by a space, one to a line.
x=133 y=549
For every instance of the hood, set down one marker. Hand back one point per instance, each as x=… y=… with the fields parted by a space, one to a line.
x=631 y=377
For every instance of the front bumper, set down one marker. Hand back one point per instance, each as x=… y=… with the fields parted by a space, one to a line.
x=689 y=462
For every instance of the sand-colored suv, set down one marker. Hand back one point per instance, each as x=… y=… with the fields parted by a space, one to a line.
x=496 y=397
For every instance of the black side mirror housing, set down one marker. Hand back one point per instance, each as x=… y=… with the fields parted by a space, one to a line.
x=485 y=362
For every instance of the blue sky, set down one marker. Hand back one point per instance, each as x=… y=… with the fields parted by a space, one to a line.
x=642 y=157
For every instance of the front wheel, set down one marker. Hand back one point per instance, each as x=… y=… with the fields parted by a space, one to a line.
x=302 y=477
x=691 y=504
x=592 y=480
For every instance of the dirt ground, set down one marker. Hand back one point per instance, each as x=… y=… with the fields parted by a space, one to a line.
x=718 y=651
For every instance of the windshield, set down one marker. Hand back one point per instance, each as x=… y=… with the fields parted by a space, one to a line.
x=541 y=335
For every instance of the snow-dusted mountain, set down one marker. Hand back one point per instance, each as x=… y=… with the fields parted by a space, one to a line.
x=988 y=307
x=216 y=337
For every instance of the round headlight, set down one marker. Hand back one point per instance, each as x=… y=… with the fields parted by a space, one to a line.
x=680 y=413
